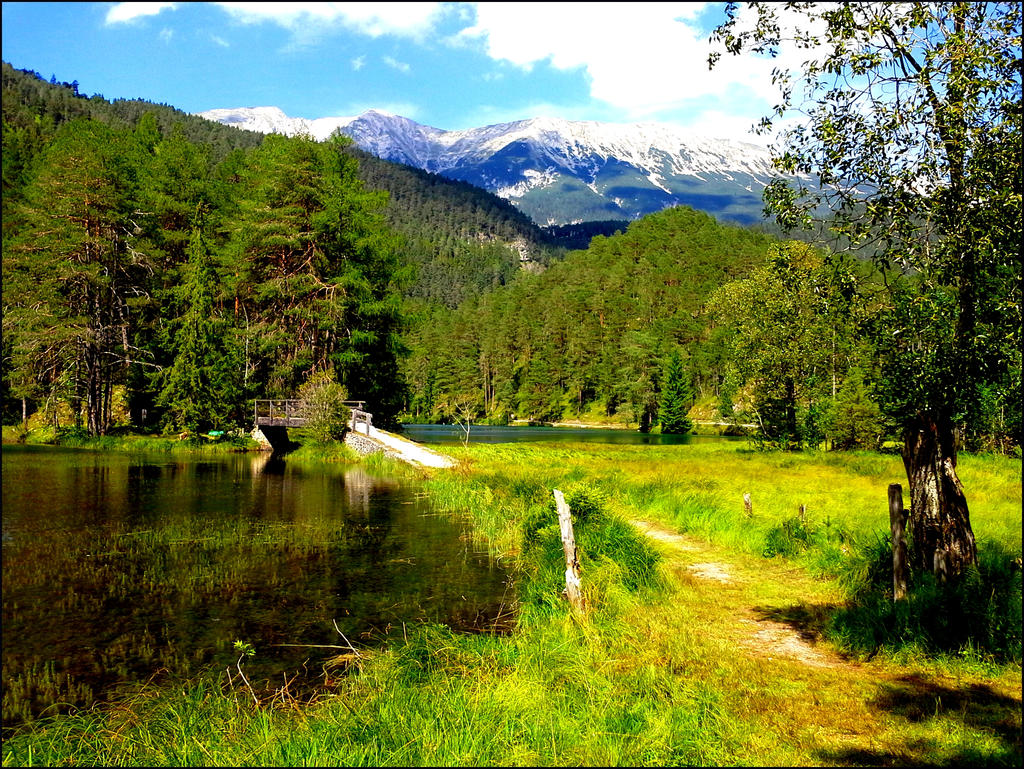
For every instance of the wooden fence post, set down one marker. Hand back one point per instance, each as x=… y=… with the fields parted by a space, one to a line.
x=898 y=524
x=572 y=564
x=748 y=506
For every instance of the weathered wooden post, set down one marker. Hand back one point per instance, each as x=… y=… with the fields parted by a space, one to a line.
x=748 y=506
x=572 y=564
x=898 y=524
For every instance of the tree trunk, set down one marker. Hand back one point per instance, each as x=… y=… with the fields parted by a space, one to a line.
x=791 y=438
x=573 y=590
x=942 y=540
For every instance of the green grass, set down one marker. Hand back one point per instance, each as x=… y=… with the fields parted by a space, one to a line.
x=665 y=668
x=124 y=442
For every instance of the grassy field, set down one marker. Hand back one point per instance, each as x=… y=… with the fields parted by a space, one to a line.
x=709 y=638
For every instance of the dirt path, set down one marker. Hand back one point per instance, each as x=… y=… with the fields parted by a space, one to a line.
x=759 y=635
x=817 y=702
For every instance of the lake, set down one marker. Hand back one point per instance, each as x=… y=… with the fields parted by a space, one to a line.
x=121 y=568
x=453 y=434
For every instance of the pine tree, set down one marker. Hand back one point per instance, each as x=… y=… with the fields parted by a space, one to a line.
x=675 y=398
x=315 y=269
x=199 y=388
x=74 y=270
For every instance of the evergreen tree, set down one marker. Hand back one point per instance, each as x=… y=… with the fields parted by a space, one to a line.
x=200 y=390
x=858 y=421
x=74 y=271
x=676 y=397
x=312 y=271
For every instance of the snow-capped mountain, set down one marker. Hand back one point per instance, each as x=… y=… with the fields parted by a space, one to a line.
x=557 y=171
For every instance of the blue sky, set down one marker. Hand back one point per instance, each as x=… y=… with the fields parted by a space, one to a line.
x=449 y=65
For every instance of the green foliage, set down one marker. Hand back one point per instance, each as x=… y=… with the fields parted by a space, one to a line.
x=789 y=539
x=244 y=648
x=326 y=415
x=981 y=613
x=676 y=398
x=910 y=134
x=458 y=241
x=791 y=329
x=856 y=419
x=936 y=197
x=587 y=503
x=73 y=271
x=315 y=269
x=29 y=100
x=200 y=389
x=588 y=506
x=603 y=541
x=590 y=330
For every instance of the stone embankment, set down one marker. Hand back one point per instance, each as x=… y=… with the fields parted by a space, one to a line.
x=364 y=446
x=395 y=447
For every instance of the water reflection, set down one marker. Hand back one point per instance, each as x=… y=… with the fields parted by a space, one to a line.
x=117 y=567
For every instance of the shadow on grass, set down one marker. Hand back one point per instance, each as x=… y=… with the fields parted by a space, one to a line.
x=916 y=756
x=807 y=620
x=977 y=707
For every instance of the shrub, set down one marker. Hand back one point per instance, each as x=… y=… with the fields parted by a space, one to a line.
x=326 y=415
x=980 y=611
x=587 y=503
x=792 y=537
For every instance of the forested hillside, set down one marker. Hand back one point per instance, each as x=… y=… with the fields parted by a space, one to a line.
x=154 y=278
x=121 y=220
x=589 y=334
x=459 y=239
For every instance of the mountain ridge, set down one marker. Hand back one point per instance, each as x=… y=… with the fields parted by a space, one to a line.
x=557 y=171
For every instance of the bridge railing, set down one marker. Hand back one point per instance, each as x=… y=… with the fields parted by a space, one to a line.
x=291 y=412
x=280 y=412
x=360 y=417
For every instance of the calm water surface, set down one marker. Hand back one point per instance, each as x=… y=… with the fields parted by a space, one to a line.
x=451 y=434
x=119 y=568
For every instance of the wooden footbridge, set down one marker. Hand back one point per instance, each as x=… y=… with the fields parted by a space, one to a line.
x=294 y=413
x=274 y=417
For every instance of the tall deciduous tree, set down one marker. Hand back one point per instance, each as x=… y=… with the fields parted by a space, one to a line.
x=789 y=325
x=912 y=124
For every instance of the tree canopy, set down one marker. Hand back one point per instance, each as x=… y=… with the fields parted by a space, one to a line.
x=909 y=129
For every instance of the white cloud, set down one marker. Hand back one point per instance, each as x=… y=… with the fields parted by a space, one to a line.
x=722 y=124
x=358 y=63
x=372 y=19
x=220 y=41
x=166 y=34
x=121 y=13
x=401 y=66
x=643 y=58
